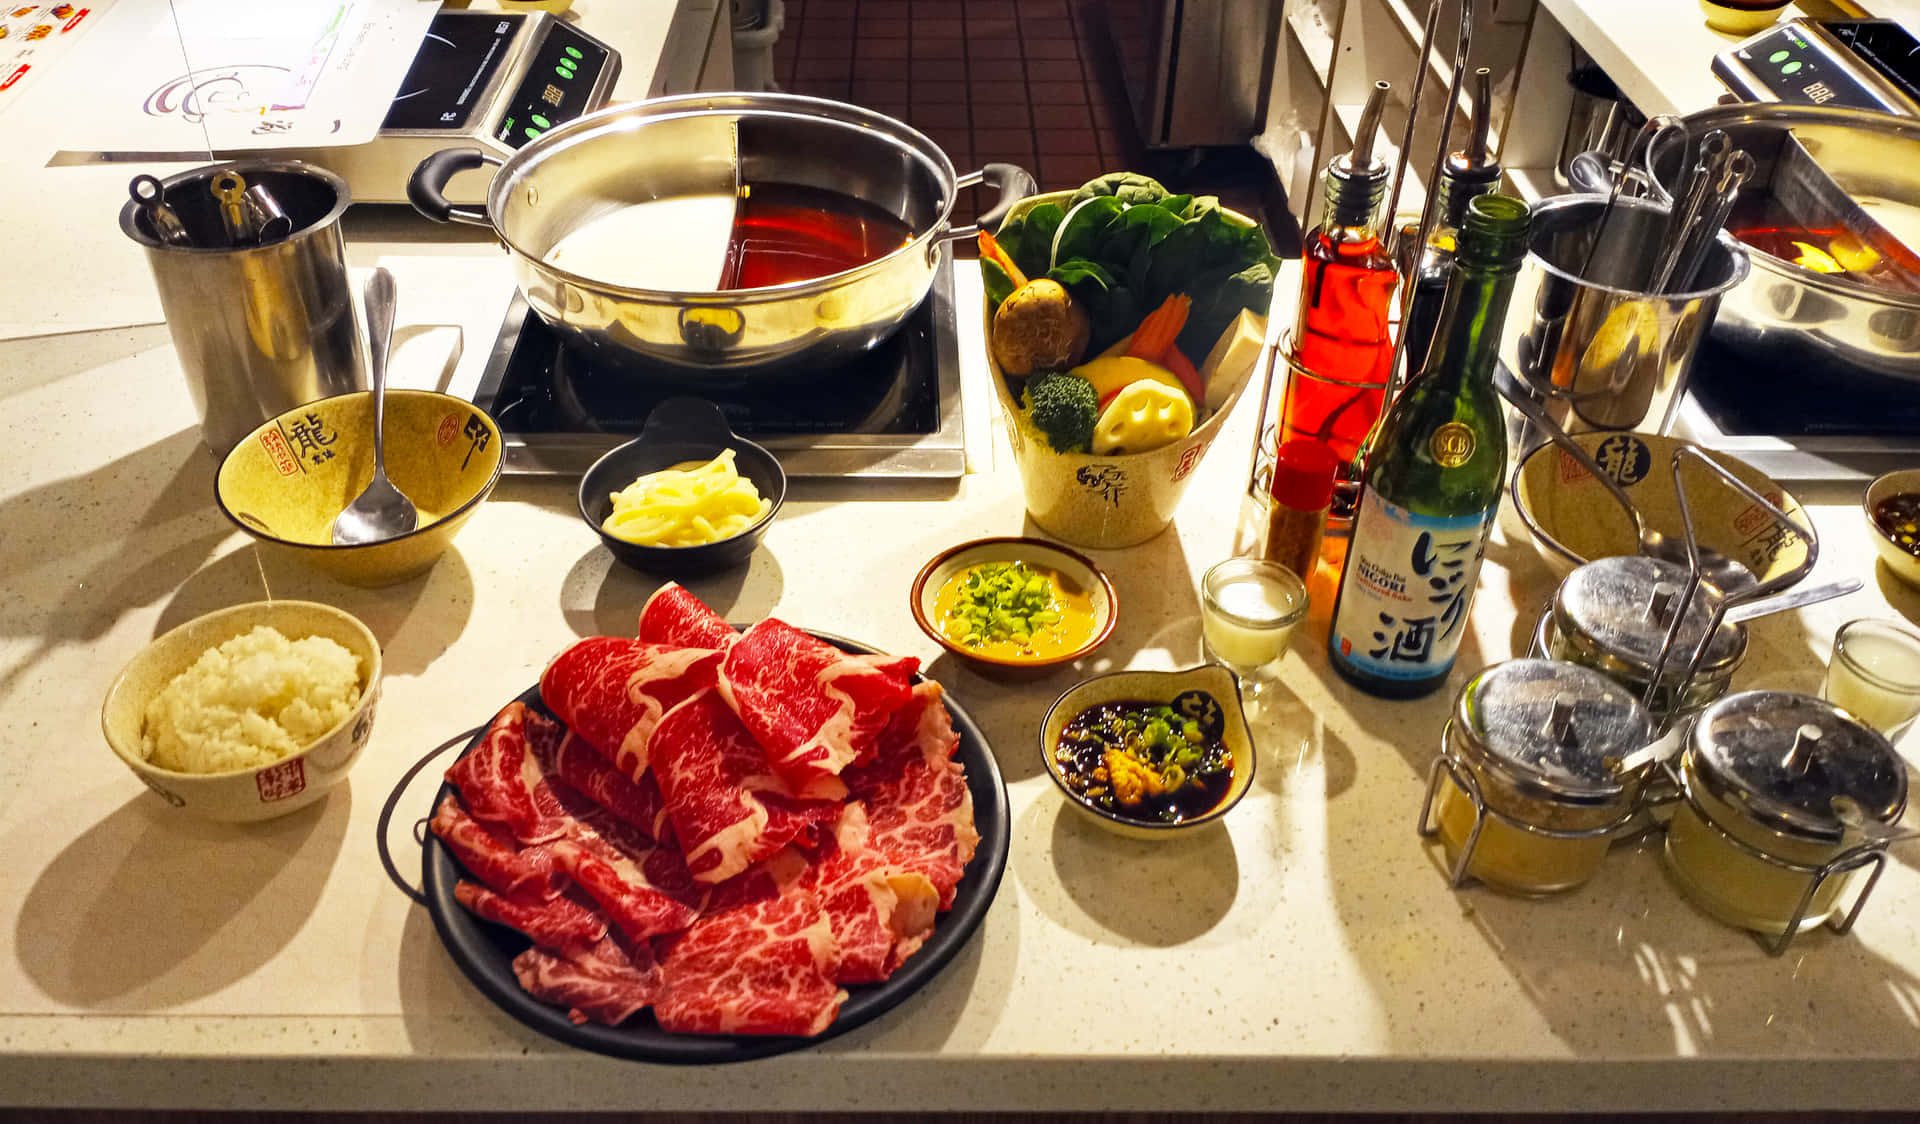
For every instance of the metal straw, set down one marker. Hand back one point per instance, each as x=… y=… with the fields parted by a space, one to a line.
x=1413 y=117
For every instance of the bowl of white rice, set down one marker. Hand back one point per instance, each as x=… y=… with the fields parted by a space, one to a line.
x=249 y=712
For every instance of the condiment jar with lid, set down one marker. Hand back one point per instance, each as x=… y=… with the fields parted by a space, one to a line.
x=1786 y=798
x=1613 y=614
x=1538 y=767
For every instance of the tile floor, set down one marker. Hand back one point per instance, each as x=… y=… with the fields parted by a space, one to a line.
x=988 y=80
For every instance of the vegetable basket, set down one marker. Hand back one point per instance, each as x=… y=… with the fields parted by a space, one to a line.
x=1100 y=501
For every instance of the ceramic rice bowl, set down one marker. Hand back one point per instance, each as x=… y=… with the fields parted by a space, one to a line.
x=288 y=479
x=1095 y=501
x=262 y=792
x=1573 y=519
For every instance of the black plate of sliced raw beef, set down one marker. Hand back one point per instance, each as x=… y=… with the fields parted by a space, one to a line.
x=486 y=951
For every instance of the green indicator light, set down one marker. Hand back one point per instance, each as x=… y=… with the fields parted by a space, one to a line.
x=563 y=72
x=1790 y=68
x=574 y=52
x=1778 y=56
x=532 y=132
x=541 y=121
x=569 y=64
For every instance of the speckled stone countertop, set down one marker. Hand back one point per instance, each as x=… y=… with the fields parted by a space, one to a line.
x=1305 y=955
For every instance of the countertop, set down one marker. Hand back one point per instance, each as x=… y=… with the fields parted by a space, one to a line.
x=1306 y=955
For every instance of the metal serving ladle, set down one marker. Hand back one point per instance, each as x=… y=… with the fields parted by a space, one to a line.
x=382 y=511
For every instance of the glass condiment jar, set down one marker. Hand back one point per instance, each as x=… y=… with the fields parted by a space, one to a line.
x=1537 y=770
x=1781 y=796
x=1613 y=614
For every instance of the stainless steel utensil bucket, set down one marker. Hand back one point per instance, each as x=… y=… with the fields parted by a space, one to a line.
x=1581 y=333
x=259 y=329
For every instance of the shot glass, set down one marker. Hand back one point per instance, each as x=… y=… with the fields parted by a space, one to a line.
x=1875 y=674
x=1248 y=611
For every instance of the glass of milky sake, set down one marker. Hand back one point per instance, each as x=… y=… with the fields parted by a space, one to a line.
x=1248 y=611
x=1875 y=674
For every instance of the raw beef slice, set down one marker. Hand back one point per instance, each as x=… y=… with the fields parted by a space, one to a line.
x=644 y=888
x=608 y=983
x=728 y=809
x=492 y=857
x=613 y=692
x=502 y=783
x=559 y=923
x=760 y=961
x=814 y=708
x=674 y=616
x=916 y=794
x=564 y=754
x=881 y=914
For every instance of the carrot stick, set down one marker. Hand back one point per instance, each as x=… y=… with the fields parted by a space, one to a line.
x=991 y=250
x=1155 y=335
x=1182 y=369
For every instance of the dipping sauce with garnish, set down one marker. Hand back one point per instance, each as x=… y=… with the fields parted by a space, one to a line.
x=1898 y=518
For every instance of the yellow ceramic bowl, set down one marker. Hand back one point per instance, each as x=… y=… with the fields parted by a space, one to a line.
x=1743 y=19
x=1573 y=519
x=1102 y=502
x=1905 y=566
x=1157 y=687
x=243 y=795
x=285 y=483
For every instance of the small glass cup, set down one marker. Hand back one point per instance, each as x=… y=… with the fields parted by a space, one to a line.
x=1248 y=611
x=1874 y=674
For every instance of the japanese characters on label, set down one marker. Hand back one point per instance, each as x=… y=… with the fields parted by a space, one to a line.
x=1405 y=611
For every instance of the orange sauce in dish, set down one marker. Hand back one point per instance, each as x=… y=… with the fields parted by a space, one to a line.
x=1047 y=640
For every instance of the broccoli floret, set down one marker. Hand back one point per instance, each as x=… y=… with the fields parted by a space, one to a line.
x=1064 y=408
x=1130 y=188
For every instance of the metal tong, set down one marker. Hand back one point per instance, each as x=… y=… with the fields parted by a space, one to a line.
x=250 y=215
x=151 y=195
x=1710 y=194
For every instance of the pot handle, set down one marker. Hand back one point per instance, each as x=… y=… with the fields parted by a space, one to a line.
x=427 y=189
x=1015 y=184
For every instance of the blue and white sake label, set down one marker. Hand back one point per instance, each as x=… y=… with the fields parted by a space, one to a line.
x=1407 y=588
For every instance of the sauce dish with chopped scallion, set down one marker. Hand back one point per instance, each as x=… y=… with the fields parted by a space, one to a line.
x=1013 y=606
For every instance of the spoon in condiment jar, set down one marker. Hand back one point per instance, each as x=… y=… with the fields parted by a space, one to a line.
x=381 y=511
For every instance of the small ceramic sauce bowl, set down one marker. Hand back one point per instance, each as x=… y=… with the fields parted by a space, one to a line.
x=678 y=431
x=1905 y=566
x=1073 y=567
x=1155 y=687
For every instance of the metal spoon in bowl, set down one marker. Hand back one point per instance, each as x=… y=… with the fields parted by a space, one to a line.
x=382 y=511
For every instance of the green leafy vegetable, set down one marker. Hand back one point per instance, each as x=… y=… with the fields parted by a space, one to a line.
x=999 y=286
x=1127 y=187
x=1084 y=228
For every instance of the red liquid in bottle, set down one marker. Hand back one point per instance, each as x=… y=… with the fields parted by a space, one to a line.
x=1343 y=340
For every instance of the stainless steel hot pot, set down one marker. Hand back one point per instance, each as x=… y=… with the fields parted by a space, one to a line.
x=642 y=151
x=1781 y=305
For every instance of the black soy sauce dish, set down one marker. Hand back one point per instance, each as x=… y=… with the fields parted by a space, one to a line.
x=680 y=430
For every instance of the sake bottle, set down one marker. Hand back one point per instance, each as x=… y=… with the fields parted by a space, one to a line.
x=1432 y=480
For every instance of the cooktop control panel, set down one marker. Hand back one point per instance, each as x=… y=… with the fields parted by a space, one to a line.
x=1865 y=64
x=489 y=80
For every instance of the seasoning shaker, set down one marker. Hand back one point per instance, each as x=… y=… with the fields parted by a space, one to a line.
x=1785 y=800
x=1541 y=764
x=1300 y=494
x=1613 y=615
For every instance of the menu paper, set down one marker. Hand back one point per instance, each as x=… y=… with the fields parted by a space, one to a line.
x=34 y=36
x=187 y=76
